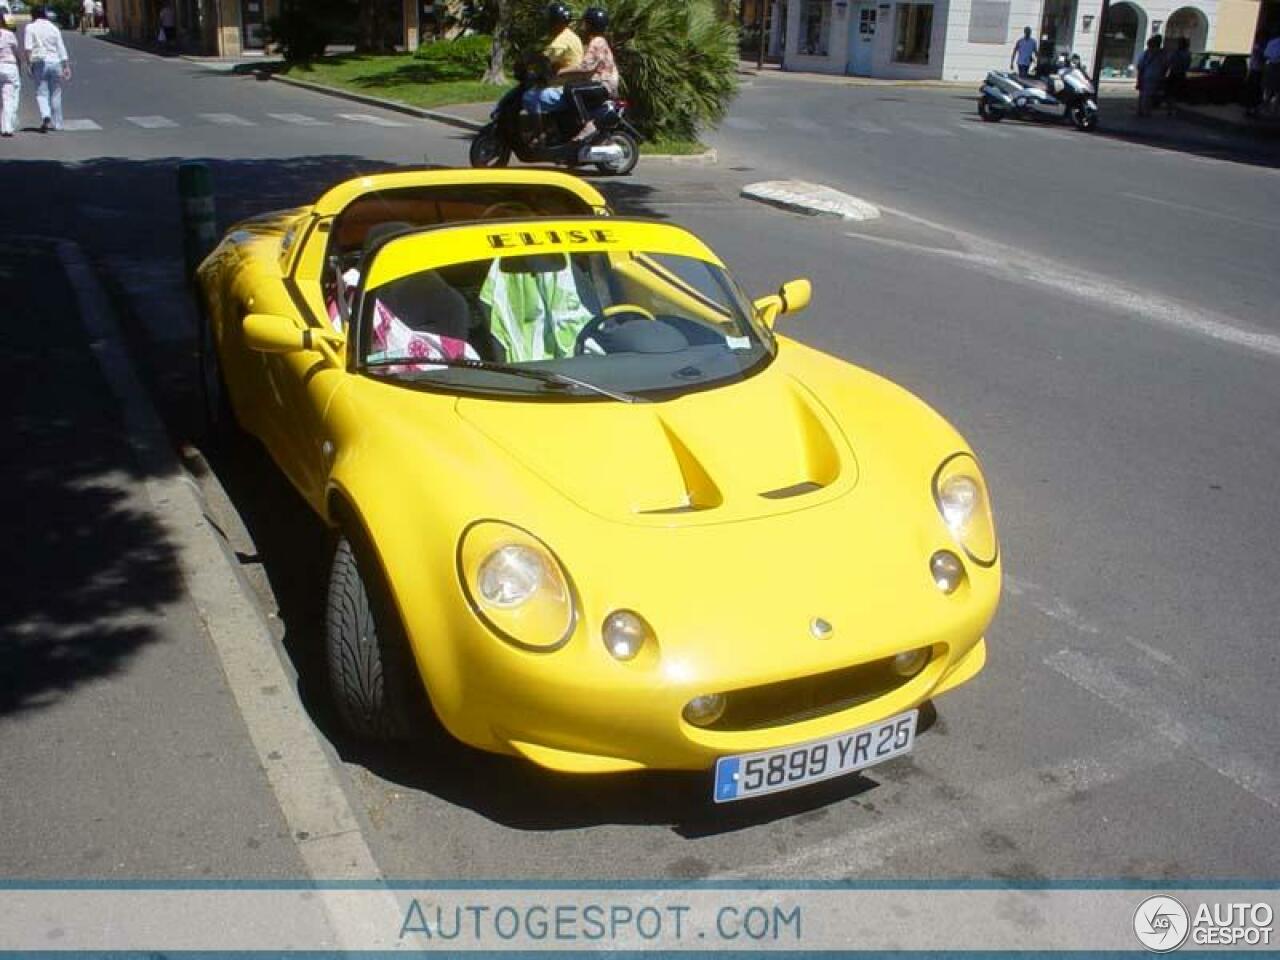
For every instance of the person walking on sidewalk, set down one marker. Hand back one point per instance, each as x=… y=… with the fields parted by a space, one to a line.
x=1024 y=51
x=1151 y=66
x=50 y=66
x=168 y=35
x=1271 y=73
x=10 y=78
x=86 y=16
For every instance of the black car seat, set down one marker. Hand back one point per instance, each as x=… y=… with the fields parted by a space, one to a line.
x=424 y=302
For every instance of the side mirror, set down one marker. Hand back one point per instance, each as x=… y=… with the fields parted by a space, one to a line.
x=791 y=297
x=269 y=333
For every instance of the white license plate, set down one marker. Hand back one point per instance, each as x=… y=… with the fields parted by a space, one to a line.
x=754 y=774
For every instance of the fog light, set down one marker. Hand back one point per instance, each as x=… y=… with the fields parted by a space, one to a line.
x=911 y=662
x=947 y=570
x=705 y=710
x=625 y=633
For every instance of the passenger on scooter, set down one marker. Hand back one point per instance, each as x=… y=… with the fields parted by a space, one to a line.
x=563 y=52
x=596 y=79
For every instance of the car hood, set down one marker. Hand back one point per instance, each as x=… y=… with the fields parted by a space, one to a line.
x=757 y=448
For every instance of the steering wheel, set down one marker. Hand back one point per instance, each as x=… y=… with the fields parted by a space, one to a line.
x=609 y=316
x=507 y=208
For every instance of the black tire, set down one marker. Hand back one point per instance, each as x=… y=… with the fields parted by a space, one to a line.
x=1084 y=118
x=630 y=153
x=372 y=674
x=487 y=149
x=221 y=428
x=987 y=113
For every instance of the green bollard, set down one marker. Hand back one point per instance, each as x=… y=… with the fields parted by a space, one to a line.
x=199 y=215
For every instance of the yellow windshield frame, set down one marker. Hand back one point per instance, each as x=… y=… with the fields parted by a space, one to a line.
x=428 y=249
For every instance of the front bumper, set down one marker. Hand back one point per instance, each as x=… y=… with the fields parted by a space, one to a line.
x=577 y=722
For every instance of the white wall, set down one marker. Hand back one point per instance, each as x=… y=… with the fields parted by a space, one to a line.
x=971 y=61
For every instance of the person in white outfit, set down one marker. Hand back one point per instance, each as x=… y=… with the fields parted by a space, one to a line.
x=50 y=66
x=86 y=16
x=10 y=79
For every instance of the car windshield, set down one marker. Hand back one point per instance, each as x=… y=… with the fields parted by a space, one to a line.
x=626 y=325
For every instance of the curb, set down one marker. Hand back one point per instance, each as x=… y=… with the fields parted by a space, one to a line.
x=1258 y=131
x=299 y=773
x=451 y=119
x=811 y=199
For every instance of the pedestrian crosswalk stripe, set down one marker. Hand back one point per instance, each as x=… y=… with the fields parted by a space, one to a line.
x=805 y=124
x=742 y=123
x=927 y=130
x=373 y=119
x=983 y=127
x=300 y=119
x=151 y=123
x=226 y=119
x=865 y=126
x=81 y=123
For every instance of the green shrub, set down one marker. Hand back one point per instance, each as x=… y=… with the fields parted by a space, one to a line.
x=677 y=59
x=463 y=58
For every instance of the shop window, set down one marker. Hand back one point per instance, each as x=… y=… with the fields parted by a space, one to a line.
x=915 y=27
x=815 y=27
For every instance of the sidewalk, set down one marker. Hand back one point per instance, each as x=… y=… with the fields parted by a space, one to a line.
x=124 y=754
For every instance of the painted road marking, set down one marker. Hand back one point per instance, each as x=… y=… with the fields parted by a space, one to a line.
x=926 y=129
x=1203 y=211
x=372 y=118
x=226 y=119
x=151 y=123
x=805 y=124
x=299 y=119
x=868 y=848
x=984 y=128
x=864 y=126
x=742 y=123
x=1207 y=738
x=82 y=123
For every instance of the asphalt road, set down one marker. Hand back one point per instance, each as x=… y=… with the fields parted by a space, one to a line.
x=1124 y=724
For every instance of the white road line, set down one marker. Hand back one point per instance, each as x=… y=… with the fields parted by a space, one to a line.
x=989 y=802
x=742 y=123
x=226 y=119
x=863 y=126
x=140 y=59
x=1208 y=739
x=1102 y=292
x=324 y=827
x=151 y=123
x=372 y=118
x=983 y=128
x=299 y=119
x=104 y=59
x=926 y=129
x=80 y=123
x=805 y=125
x=1204 y=212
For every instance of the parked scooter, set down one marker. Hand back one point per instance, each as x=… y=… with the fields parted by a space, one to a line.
x=1067 y=93
x=613 y=148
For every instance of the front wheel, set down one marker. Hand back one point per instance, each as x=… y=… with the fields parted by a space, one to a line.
x=374 y=680
x=630 y=153
x=987 y=112
x=488 y=148
x=1084 y=117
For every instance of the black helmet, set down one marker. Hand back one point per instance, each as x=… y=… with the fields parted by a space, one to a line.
x=596 y=19
x=558 y=13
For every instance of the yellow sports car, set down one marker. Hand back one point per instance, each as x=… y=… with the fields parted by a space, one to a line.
x=587 y=503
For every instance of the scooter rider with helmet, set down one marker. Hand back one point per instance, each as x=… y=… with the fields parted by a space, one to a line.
x=563 y=53
x=596 y=78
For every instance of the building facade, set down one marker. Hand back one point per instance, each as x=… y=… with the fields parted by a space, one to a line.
x=963 y=39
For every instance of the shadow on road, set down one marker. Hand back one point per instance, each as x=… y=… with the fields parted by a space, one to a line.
x=87 y=569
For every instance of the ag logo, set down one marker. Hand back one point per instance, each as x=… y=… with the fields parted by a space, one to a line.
x=1161 y=924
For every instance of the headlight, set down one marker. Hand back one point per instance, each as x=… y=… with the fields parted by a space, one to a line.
x=961 y=496
x=516 y=585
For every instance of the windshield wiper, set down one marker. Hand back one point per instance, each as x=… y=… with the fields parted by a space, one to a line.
x=529 y=373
